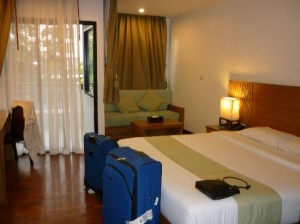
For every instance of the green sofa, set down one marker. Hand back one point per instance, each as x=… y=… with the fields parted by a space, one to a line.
x=118 y=120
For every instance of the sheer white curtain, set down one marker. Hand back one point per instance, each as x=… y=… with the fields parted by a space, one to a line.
x=45 y=70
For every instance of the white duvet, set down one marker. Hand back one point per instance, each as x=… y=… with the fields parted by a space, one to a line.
x=182 y=203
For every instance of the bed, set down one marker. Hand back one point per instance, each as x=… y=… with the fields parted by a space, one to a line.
x=266 y=155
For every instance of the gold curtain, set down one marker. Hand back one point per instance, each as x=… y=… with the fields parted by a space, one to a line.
x=142 y=52
x=111 y=86
x=6 y=13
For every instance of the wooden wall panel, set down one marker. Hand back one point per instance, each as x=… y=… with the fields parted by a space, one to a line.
x=243 y=91
x=275 y=106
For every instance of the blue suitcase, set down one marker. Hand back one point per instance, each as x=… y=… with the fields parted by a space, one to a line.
x=131 y=187
x=96 y=148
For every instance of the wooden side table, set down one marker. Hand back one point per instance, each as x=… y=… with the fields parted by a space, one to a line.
x=211 y=128
x=144 y=128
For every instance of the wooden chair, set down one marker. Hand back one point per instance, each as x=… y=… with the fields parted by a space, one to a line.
x=17 y=129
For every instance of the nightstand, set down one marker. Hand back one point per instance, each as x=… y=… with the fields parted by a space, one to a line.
x=211 y=128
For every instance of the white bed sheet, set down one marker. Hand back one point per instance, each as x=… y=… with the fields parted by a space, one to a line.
x=182 y=203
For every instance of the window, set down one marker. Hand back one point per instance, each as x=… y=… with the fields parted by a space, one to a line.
x=89 y=61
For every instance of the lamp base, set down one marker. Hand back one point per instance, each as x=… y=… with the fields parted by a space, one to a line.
x=227 y=124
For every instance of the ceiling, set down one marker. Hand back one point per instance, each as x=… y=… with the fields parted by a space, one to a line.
x=167 y=8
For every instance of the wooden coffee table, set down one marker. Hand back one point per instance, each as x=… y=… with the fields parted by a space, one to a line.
x=144 y=128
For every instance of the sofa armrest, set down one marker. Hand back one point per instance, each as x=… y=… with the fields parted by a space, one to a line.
x=177 y=109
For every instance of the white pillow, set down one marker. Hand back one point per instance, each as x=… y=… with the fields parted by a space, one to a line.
x=266 y=135
x=290 y=145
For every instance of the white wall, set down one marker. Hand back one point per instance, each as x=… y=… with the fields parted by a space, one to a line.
x=257 y=40
x=92 y=10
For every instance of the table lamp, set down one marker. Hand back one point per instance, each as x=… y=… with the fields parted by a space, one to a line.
x=229 y=112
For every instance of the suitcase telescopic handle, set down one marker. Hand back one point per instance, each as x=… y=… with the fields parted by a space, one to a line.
x=94 y=138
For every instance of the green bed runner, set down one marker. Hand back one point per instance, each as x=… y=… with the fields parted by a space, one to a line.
x=259 y=204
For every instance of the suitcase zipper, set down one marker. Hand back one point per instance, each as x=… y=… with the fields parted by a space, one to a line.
x=123 y=177
x=134 y=190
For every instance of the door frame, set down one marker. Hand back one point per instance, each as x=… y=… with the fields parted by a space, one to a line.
x=93 y=24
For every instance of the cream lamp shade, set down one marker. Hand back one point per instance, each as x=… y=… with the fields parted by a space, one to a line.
x=230 y=108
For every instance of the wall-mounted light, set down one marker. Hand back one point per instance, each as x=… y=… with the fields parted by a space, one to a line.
x=141 y=10
x=229 y=111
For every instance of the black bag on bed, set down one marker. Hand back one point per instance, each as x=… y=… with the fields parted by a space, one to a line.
x=219 y=189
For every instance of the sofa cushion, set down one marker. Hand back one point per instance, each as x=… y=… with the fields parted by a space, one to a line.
x=113 y=119
x=127 y=105
x=164 y=94
x=150 y=101
x=109 y=107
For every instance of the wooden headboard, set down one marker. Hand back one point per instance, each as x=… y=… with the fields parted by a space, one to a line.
x=275 y=106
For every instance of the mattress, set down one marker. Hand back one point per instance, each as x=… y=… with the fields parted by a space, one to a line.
x=182 y=203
